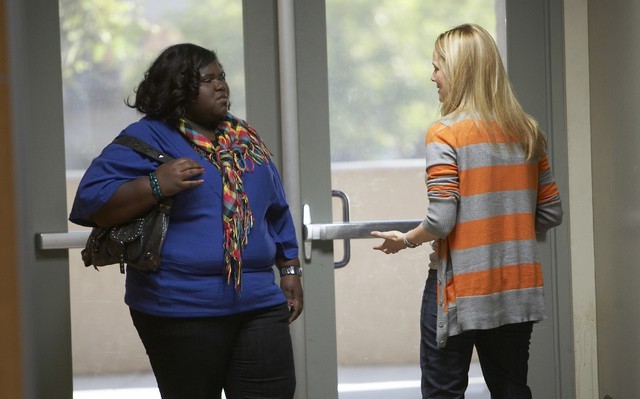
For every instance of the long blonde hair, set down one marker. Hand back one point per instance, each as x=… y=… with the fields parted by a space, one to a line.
x=479 y=85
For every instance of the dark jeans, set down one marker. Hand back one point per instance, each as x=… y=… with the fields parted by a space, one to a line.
x=249 y=355
x=503 y=353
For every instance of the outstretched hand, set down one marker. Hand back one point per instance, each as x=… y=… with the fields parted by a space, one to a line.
x=393 y=241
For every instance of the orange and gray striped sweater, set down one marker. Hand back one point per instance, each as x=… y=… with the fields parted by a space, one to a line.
x=486 y=203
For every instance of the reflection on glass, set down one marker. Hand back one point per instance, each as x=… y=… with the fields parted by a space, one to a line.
x=381 y=104
x=106 y=46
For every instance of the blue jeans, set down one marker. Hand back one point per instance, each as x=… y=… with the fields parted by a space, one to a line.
x=249 y=355
x=503 y=353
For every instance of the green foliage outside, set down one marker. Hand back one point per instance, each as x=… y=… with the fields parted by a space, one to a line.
x=124 y=36
x=379 y=58
x=380 y=52
x=92 y=35
x=107 y=45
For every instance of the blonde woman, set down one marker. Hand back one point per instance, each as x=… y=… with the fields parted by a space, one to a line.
x=490 y=190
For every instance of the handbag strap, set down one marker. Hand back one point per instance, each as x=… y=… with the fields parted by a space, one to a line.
x=143 y=148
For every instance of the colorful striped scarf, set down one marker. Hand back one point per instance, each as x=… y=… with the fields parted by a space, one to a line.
x=237 y=150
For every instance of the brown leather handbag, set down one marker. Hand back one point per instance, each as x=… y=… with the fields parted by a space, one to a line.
x=137 y=243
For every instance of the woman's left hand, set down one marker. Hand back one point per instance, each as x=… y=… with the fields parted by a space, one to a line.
x=292 y=288
x=393 y=241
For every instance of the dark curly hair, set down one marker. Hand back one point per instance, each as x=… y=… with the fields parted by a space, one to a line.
x=171 y=82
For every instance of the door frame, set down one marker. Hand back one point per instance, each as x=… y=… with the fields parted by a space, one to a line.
x=314 y=333
x=535 y=53
x=40 y=196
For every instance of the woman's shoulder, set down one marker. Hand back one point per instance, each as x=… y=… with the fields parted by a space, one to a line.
x=453 y=129
x=147 y=128
x=457 y=118
x=442 y=127
x=156 y=133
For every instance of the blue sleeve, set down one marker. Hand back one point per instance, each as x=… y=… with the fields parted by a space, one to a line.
x=116 y=165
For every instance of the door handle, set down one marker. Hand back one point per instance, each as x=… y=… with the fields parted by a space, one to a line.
x=346 y=253
x=346 y=230
x=72 y=239
x=345 y=218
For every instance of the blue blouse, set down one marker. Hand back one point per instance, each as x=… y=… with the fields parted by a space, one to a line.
x=190 y=281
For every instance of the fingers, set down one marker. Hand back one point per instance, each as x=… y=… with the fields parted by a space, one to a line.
x=382 y=246
x=292 y=288
x=387 y=250
x=295 y=309
x=178 y=175
x=379 y=234
x=186 y=168
x=392 y=241
x=388 y=235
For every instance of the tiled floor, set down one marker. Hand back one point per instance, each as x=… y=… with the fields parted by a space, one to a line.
x=370 y=382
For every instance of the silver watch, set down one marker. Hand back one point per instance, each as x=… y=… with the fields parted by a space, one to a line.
x=291 y=271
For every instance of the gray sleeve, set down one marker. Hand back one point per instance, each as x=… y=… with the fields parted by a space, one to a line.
x=442 y=189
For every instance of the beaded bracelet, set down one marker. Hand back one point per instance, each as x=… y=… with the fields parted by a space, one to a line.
x=155 y=186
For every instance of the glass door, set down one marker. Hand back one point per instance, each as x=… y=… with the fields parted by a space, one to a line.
x=381 y=103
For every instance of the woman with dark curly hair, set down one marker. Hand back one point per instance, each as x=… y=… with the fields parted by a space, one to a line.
x=212 y=317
